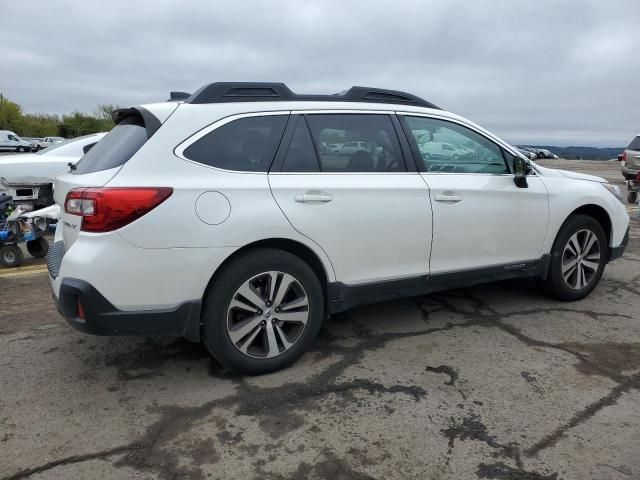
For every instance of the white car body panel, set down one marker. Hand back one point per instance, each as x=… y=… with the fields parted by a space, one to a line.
x=493 y=223
x=362 y=221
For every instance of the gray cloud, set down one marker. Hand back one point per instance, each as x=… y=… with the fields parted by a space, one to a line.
x=531 y=71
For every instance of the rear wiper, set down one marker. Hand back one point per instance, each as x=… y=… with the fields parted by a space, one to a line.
x=72 y=165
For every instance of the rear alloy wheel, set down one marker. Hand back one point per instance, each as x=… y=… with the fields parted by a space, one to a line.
x=632 y=197
x=11 y=256
x=267 y=314
x=578 y=259
x=262 y=312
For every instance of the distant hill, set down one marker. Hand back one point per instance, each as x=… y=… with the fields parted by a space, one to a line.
x=584 y=153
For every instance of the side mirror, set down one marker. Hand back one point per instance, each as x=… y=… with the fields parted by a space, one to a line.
x=520 y=166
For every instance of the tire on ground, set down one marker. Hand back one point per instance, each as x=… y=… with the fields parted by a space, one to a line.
x=224 y=287
x=11 y=256
x=555 y=284
x=38 y=248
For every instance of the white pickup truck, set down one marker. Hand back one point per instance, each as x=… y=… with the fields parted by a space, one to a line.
x=47 y=142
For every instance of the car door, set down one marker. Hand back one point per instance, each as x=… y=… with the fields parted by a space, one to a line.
x=481 y=219
x=366 y=210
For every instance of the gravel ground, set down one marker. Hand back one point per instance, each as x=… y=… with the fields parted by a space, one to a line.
x=491 y=382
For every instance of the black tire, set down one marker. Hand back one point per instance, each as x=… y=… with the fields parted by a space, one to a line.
x=632 y=197
x=555 y=285
x=217 y=300
x=11 y=256
x=38 y=248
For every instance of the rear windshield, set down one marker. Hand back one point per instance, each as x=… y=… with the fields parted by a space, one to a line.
x=635 y=144
x=116 y=148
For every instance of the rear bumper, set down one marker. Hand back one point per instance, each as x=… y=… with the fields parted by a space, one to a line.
x=616 y=252
x=102 y=318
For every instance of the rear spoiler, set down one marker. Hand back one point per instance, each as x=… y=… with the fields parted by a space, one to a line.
x=149 y=120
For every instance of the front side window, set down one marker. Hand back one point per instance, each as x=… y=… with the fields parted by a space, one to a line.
x=447 y=147
x=363 y=143
x=247 y=144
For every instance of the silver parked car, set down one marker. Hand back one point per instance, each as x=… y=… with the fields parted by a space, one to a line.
x=631 y=159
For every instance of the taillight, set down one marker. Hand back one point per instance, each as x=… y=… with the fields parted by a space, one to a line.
x=107 y=209
x=624 y=156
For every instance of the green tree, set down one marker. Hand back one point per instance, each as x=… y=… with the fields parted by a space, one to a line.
x=103 y=112
x=10 y=115
x=44 y=125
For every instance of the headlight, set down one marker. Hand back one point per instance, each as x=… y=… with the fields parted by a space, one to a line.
x=614 y=190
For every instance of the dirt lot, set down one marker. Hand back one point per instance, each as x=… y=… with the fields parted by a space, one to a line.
x=492 y=382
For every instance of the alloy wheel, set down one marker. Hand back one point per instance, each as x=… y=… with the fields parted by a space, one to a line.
x=267 y=314
x=581 y=259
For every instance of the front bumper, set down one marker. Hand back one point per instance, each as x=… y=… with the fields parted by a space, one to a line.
x=102 y=318
x=617 y=252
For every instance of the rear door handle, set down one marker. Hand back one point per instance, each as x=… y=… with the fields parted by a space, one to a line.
x=448 y=198
x=313 y=197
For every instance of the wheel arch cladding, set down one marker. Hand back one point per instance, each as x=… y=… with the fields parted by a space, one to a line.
x=599 y=214
x=287 y=245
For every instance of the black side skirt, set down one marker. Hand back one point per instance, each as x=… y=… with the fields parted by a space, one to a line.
x=343 y=297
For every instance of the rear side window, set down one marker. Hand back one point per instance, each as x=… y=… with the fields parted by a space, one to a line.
x=247 y=144
x=115 y=149
x=364 y=143
x=635 y=144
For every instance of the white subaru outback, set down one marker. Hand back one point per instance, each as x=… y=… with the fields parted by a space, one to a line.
x=218 y=218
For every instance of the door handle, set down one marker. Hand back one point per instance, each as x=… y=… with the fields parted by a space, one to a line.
x=313 y=197
x=448 y=198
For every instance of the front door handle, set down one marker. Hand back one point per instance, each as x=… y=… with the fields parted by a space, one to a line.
x=448 y=197
x=313 y=197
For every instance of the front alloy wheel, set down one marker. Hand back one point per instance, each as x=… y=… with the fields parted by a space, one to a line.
x=267 y=314
x=581 y=259
x=578 y=257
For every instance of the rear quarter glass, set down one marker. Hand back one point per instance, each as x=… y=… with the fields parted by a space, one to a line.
x=115 y=149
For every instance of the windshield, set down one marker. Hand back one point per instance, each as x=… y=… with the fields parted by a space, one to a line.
x=70 y=148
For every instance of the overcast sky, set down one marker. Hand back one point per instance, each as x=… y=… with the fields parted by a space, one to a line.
x=538 y=72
